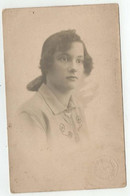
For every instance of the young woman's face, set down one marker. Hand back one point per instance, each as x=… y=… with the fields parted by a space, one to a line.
x=67 y=67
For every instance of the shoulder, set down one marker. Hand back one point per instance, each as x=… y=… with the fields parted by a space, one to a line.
x=34 y=105
x=34 y=112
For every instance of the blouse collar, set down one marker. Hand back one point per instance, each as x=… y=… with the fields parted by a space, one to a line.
x=52 y=101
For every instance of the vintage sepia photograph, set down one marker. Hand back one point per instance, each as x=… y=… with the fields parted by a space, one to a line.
x=64 y=98
x=53 y=109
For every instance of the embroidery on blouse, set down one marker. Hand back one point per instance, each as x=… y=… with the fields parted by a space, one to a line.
x=64 y=131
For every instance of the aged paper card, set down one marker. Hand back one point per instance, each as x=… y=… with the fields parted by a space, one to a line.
x=64 y=98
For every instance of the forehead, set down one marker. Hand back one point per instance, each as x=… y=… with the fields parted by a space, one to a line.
x=75 y=49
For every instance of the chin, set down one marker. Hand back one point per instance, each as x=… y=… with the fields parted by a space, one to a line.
x=71 y=87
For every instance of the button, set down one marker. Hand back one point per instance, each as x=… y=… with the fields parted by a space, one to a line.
x=78 y=119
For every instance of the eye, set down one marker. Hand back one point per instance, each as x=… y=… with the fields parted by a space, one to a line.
x=79 y=61
x=63 y=58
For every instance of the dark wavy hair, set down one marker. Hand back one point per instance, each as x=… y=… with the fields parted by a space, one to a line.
x=60 y=41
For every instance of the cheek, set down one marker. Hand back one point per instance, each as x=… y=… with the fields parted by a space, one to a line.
x=57 y=75
x=80 y=71
x=59 y=70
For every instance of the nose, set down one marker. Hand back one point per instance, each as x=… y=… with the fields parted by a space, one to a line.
x=73 y=66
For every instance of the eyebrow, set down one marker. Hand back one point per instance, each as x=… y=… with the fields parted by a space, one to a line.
x=65 y=53
x=81 y=56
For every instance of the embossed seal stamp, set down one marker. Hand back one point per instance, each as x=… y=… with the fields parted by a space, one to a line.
x=105 y=168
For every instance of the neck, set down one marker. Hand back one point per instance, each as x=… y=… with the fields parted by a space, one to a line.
x=62 y=96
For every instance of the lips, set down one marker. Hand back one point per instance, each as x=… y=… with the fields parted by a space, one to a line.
x=72 y=77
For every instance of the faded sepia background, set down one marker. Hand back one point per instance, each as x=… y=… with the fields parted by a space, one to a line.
x=25 y=30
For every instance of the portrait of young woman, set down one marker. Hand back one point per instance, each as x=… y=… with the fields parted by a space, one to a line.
x=53 y=111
